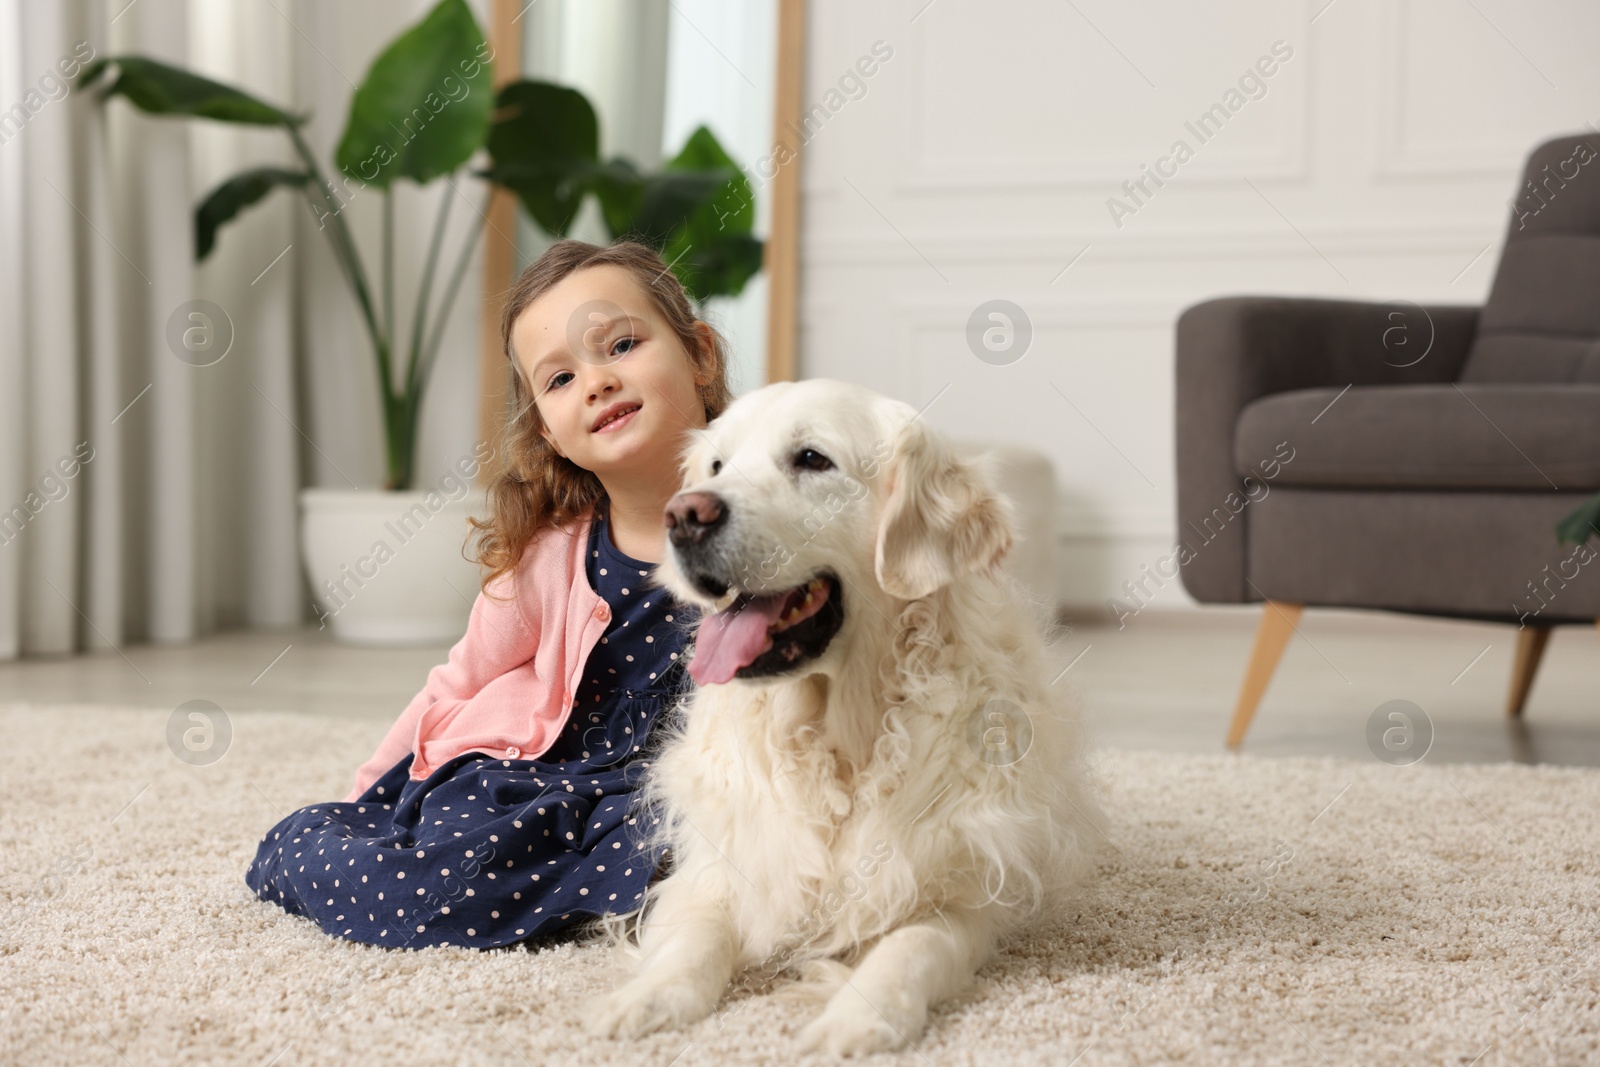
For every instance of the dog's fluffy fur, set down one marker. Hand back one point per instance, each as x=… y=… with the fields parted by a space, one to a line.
x=878 y=820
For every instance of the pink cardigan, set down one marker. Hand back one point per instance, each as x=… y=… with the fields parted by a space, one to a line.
x=509 y=683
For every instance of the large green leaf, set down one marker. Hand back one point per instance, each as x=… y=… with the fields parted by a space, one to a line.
x=733 y=208
x=544 y=145
x=1582 y=524
x=619 y=187
x=164 y=90
x=671 y=199
x=697 y=212
x=232 y=197
x=423 y=108
x=715 y=266
x=712 y=252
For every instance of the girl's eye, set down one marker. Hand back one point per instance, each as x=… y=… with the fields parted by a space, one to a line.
x=632 y=343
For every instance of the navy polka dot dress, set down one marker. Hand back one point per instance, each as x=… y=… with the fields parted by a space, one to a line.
x=485 y=851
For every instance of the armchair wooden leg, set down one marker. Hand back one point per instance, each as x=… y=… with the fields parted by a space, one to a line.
x=1530 y=649
x=1277 y=623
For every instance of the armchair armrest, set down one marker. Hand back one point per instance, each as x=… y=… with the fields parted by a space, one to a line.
x=1233 y=350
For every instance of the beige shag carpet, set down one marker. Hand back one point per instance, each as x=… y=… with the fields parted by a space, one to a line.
x=1249 y=911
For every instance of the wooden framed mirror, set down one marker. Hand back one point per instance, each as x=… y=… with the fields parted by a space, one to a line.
x=552 y=39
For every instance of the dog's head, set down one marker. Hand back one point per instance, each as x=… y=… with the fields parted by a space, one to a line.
x=802 y=499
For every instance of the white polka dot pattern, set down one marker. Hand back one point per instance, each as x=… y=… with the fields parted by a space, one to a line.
x=488 y=851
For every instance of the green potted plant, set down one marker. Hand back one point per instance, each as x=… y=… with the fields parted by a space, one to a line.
x=424 y=110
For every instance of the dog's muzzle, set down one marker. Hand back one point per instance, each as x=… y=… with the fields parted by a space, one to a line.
x=759 y=634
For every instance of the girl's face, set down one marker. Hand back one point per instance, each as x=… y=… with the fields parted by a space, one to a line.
x=595 y=340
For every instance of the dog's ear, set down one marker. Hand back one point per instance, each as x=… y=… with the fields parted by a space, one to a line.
x=941 y=520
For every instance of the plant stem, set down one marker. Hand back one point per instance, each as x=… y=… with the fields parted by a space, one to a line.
x=343 y=245
x=431 y=352
x=429 y=269
x=388 y=266
x=397 y=420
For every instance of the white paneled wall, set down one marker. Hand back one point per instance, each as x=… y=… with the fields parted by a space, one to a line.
x=982 y=160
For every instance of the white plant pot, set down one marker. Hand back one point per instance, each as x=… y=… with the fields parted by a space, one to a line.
x=390 y=568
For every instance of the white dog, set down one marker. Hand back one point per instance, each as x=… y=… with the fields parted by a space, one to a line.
x=873 y=782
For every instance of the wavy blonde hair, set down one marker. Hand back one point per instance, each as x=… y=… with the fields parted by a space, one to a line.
x=536 y=487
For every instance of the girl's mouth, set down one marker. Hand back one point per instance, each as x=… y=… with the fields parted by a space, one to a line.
x=618 y=423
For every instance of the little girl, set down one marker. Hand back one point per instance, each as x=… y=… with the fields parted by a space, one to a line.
x=500 y=806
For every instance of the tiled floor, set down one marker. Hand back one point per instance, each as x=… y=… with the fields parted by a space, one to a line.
x=1165 y=681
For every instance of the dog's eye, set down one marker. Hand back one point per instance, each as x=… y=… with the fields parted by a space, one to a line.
x=812 y=460
x=716 y=465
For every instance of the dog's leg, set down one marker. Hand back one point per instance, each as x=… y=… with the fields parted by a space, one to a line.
x=885 y=1003
x=687 y=946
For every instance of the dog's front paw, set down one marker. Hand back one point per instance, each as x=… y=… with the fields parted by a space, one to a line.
x=850 y=1026
x=645 y=1005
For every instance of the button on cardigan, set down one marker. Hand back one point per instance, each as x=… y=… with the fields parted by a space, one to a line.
x=508 y=686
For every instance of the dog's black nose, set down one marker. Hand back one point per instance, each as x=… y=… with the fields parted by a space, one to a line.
x=692 y=517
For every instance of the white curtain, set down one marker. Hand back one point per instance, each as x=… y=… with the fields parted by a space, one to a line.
x=144 y=497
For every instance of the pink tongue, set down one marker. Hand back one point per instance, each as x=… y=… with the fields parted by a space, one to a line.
x=732 y=639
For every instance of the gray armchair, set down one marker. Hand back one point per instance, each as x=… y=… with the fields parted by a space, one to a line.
x=1399 y=457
